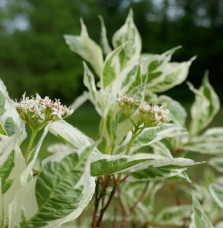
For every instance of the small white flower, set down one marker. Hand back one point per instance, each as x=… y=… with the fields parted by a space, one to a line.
x=153 y=115
x=126 y=104
x=37 y=110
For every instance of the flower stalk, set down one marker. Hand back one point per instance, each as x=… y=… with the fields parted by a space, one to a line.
x=31 y=141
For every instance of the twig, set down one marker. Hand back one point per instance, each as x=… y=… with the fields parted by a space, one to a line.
x=140 y=198
x=96 y=203
x=123 y=179
x=177 y=151
x=103 y=193
x=131 y=209
x=121 y=202
x=106 y=206
x=173 y=189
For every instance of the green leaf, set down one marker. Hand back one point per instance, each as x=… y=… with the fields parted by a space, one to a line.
x=7 y=145
x=128 y=33
x=155 y=67
x=105 y=167
x=152 y=135
x=122 y=130
x=177 y=112
x=217 y=163
x=59 y=193
x=210 y=142
x=10 y=126
x=122 y=163
x=217 y=193
x=2 y=129
x=173 y=215
x=1 y=204
x=5 y=171
x=108 y=124
x=170 y=75
x=33 y=157
x=161 y=149
x=15 y=174
x=2 y=104
x=161 y=174
x=204 y=108
x=54 y=189
x=69 y=134
x=89 y=80
x=112 y=66
x=10 y=121
x=198 y=217
x=95 y=97
x=103 y=38
x=86 y=48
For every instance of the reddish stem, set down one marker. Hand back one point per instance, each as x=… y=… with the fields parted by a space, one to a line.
x=140 y=198
x=173 y=189
x=123 y=179
x=96 y=203
x=121 y=202
x=131 y=209
x=106 y=206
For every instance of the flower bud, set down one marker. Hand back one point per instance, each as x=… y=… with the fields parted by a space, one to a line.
x=126 y=104
x=37 y=111
x=153 y=115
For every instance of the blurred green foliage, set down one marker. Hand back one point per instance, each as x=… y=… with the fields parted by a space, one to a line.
x=34 y=57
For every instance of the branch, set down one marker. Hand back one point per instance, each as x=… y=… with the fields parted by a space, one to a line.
x=140 y=198
x=106 y=206
x=96 y=203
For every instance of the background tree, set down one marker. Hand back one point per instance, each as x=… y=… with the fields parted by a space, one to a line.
x=35 y=58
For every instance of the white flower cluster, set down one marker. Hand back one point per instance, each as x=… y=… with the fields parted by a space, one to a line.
x=36 y=110
x=149 y=115
x=126 y=100
x=126 y=104
x=154 y=114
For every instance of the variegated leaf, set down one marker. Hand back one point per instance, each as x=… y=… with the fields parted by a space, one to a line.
x=152 y=135
x=69 y=134
x=217 y=163
x=177 y=112
x=128 y=33
x=204 y=108
x=161 y=174
x=123 y=163
x=10 y=121
x=57 y=195
x=10 y=174
x=173 y=215
x=170 y=75
x=217 y=194
x=32 y=158
x=103 y=38
x=210 y=142
x=86 y=48
x=198 y=217
x=161 y=149
x=112 y=66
